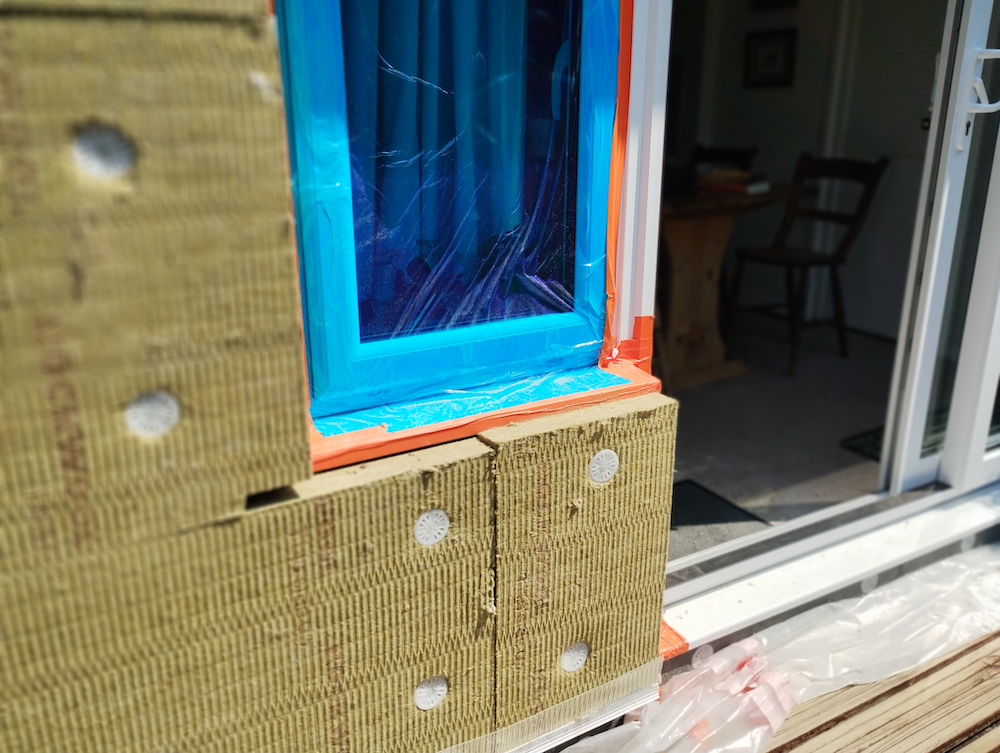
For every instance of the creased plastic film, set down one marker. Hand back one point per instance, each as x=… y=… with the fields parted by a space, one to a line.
x=450 y=166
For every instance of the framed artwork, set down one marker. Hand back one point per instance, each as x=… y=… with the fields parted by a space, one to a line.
x=769 y=58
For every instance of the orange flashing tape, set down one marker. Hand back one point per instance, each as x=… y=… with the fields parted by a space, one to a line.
x=631 y=362
x=639 y=350
x=368 y=444
x=672 y=643
x=618 y=137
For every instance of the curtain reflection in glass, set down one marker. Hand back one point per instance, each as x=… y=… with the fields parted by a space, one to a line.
x=462 y=120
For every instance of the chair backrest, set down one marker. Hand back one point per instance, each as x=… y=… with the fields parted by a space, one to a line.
x=738 y=157
x=808 y=169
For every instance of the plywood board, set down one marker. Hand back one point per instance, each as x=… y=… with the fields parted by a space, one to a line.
x=936 y=707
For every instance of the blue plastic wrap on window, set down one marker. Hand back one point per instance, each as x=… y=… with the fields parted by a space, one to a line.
x=469 y=402
x=450 y=164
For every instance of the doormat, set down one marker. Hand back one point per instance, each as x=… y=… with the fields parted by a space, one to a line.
x=694 y=505
x=867 y=444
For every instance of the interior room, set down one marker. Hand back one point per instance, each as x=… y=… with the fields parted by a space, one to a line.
x=766 y=435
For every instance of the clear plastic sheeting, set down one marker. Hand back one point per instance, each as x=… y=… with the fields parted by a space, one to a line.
x=742 y=694
x=450 y=164
x=463 y=125
x=733 y=702
x=895 y=628
x=453 y=404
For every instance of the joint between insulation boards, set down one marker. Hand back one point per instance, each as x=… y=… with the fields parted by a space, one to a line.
x=256 y=19
x=271 y=497
x=496 y=574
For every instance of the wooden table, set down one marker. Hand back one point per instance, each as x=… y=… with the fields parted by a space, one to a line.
x=694 y=233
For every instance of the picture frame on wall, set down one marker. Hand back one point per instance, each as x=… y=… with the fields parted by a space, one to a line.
x=769 y=58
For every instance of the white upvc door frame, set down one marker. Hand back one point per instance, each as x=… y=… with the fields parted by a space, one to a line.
x=639 y=219
x=903 y=464
x=965 y=463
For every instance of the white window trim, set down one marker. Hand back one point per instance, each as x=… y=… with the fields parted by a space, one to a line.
x=931 y=257
x=639 y=222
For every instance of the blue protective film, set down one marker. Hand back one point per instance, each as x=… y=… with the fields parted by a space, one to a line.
x=450 y=168
x=470 y=402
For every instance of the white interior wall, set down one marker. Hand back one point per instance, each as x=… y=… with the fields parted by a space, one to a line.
x=780 y=122
x=896 y=44
x=686 y=55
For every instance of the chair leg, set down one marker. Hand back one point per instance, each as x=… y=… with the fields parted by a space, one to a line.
x=733 y=300
x=838 y=310
x=796 y=312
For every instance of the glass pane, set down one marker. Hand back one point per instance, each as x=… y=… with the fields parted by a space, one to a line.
x=462 y=118
x=993 y=440
x=970 y=222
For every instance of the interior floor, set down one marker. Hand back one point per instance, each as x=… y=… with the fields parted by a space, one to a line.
x=770 y=443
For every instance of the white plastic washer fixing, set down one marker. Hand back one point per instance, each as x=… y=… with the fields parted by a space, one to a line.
x=431 y=527
x=430 y=693
x=869 y=584
x=603 y=466
x=575 y=656
x=701 y=656
x=102 y=151
x=153 y=413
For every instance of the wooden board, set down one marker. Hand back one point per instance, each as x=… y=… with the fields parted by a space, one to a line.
x=695 y=247
x=941 y=706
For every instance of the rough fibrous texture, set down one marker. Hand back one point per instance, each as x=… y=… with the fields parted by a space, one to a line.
x=177 y=275
x=151 y=379
x=152 y=8
x=305 y=625
x=577 y=560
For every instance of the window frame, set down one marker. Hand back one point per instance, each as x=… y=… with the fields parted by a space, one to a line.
x=346 y=374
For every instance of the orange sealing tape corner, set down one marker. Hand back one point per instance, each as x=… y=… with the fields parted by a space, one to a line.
x=639 y=350
x=672 y=643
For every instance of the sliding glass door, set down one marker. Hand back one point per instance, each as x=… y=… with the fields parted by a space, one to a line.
x=941 y=419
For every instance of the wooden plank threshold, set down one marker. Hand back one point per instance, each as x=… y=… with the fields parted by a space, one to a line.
x=949 y=704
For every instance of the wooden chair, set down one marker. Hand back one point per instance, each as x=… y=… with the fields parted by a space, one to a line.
x=793 y=258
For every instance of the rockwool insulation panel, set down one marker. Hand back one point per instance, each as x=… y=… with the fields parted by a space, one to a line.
x=579 y=560
x=151 y=369
x=307 y=624
x=251 y=9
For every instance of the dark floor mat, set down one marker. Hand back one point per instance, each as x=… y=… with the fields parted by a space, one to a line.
x=694 y=505
x=867 y=444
